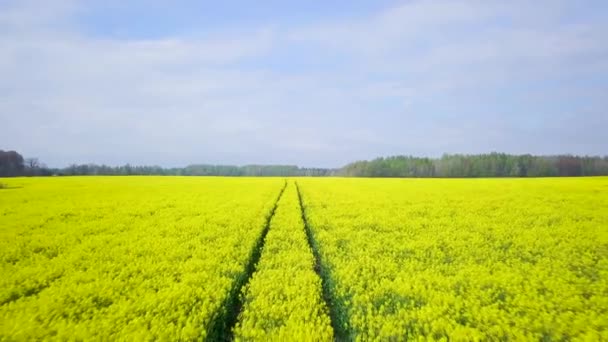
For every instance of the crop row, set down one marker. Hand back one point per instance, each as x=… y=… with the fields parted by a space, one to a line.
x=283 y=299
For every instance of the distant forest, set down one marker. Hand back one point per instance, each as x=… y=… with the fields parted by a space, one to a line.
x=449 y=165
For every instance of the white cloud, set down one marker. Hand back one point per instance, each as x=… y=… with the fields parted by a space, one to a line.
x=71 y=97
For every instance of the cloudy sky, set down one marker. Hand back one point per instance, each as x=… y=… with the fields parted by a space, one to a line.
x=320 y=83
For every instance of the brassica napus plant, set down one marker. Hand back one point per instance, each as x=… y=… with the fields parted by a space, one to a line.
x=464 y=259
x=125 y=258
x=283 y=299
x=157 y=258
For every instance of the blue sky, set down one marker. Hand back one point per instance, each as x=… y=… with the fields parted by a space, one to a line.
x=320 y=83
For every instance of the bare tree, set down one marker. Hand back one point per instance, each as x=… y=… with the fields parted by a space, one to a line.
x=32 y=166
x=32 y=163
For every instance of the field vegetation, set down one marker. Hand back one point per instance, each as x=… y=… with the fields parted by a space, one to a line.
x=126 y=258
x=283 y=300
x=257 y=259
x=475 y=259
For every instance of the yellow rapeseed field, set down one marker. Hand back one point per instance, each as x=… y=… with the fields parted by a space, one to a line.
x=464 y=259
x=125 y=258
x=257 y=259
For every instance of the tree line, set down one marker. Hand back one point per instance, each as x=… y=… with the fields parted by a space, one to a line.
x=193 y=170
x=449 y=165
x=13 y=164
x=479 y=165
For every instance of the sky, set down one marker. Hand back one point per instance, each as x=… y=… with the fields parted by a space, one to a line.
x=309 y=83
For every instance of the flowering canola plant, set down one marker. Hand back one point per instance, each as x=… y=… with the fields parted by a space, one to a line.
x=464 y=259
x=162 y=258
x=125 y=258
x=283 y=299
